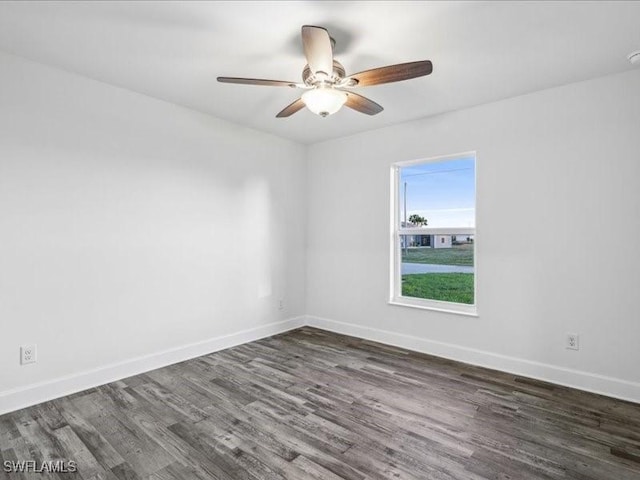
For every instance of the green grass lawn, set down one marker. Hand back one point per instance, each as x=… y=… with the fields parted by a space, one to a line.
x=457 y=255
x=446 y=287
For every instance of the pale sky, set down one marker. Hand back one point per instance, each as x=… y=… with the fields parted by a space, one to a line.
x=443 y=192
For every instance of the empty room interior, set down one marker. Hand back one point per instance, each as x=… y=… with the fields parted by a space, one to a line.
x=315 y=240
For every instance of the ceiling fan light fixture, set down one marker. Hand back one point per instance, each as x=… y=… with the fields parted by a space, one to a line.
x=323 y=78
x=324 y=101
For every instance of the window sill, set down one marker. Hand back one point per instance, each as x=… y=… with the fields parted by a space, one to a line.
x=444 y=307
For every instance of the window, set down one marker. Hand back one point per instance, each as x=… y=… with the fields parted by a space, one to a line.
x=433 y=233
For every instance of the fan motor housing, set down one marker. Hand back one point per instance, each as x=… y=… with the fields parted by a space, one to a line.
x=309 y=78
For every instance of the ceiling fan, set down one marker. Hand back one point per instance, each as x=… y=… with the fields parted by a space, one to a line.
x=326 y=84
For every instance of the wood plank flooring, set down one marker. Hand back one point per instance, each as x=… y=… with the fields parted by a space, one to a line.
x=314 y=405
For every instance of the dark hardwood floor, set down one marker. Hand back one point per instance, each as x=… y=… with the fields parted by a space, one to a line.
x=314 y=405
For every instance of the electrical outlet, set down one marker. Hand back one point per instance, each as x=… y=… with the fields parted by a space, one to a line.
x=572 y=341
x=28 y=354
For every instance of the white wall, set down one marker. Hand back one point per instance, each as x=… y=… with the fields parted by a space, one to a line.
x=558 y=177
x=130 y=226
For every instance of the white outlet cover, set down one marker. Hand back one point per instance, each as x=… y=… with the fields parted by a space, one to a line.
x=28 y=354
x=573 y=341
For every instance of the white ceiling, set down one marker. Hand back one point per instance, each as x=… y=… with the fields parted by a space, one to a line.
x=481 y=51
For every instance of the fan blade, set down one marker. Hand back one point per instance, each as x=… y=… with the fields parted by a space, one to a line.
x=317 y=49
x=291 y=109
x=256 y=81
x=393 y=73
x=362 y=104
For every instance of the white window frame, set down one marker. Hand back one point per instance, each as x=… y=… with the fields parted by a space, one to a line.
x=395 y=283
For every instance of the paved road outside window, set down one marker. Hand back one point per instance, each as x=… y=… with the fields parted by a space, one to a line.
x=414 y=268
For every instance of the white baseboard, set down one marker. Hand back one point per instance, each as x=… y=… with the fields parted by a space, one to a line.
x=16 y=399
x=609 y=386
